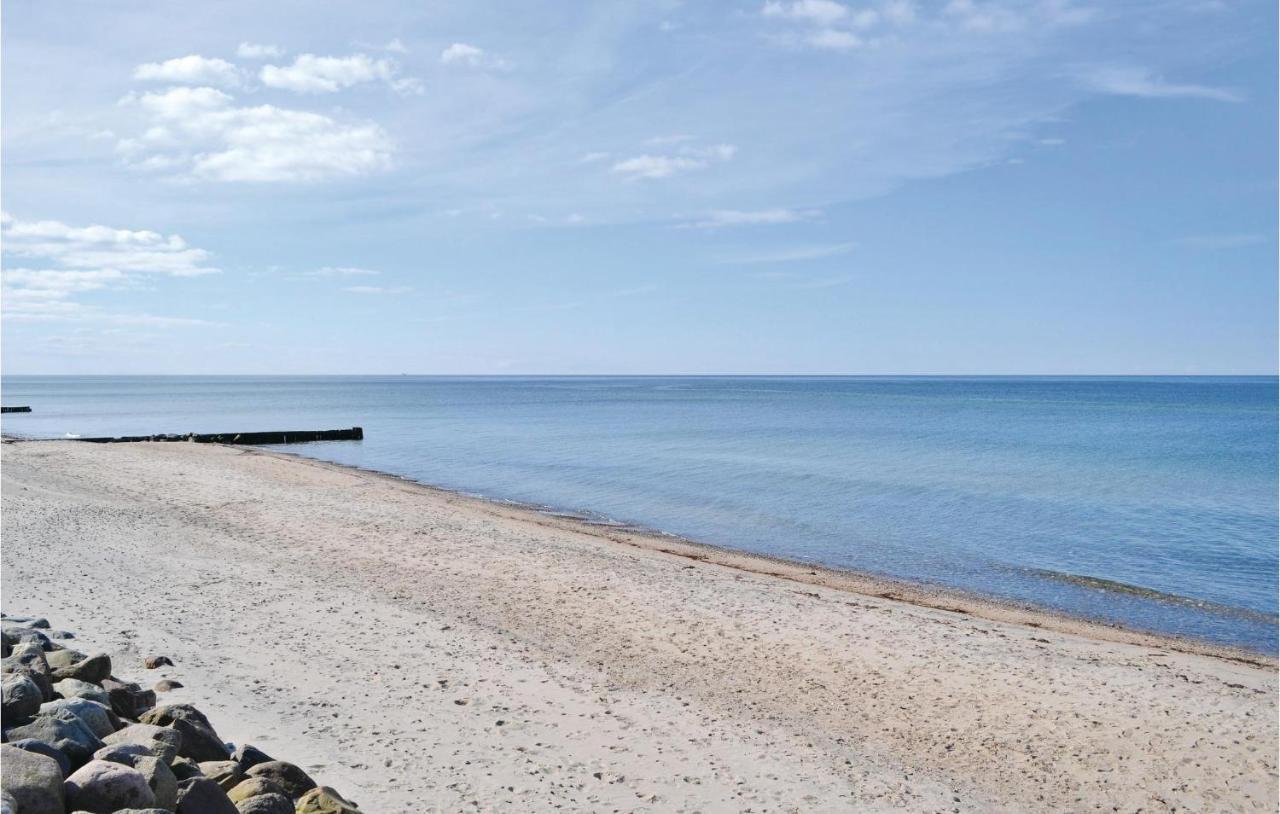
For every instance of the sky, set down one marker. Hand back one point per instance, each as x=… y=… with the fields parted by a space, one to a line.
x=776 y=186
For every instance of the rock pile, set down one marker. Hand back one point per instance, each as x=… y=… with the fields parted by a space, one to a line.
x=77 y=739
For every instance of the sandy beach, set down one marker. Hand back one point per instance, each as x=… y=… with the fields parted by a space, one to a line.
x=424 y=650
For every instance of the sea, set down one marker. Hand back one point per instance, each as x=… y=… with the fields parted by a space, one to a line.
x=1148 y=502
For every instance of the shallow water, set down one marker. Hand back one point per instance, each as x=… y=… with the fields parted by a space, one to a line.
x=1145 y=501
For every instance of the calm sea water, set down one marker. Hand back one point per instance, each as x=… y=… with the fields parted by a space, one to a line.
x=1012 y=487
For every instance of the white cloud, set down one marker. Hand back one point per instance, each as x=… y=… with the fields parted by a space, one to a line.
x=790 y=255
x=190 y=70
x=823 y=12
x=87 y=247
x=200 y=132
x=471 y=56
x=665 y=166
x=376 y=289
x=1142 y=83
x=657 y=166
x=79 y=259
x=761 y=217
x=314 y=74
x=833 y=39
x=342 y=271
x=250 y=50
x=396 y=47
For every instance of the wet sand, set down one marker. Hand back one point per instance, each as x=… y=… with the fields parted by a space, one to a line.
x=425 y=650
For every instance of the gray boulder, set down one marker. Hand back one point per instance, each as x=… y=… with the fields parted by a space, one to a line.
x=184 y=768
x=249 y=756
x=199 y=741
x=103 y=788
x=200 y=795
x=165 y=741
x=161 y=779
x=57 y=659
x=33 y=781
x=42 y=748
x=129 y=699
x=94 y=669
x=294 y=780
x=62 y=730
x=75 y=688
x=25 y=621
x=226 y=773
x=265 y=804
x=21 y=698
x=255 y=786
x=100 y=720
x=126 y=752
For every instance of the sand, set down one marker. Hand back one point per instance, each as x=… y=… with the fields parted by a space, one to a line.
x=420 y=650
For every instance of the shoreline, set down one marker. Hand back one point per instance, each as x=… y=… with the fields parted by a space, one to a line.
x=916 y=592
x=428 y=650
x=922 y=594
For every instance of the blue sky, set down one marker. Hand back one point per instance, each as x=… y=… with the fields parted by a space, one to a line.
x=963 y=186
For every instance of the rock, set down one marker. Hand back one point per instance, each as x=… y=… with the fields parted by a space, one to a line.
x=41 y=680
x=295 y=781
x=94 y=669
x=17 y=634
x=152 y=662
x=7 y=804
x=324 y=800
x=61 y=634
x=161 y=780
x=126 y=752
x=100 y=720
x=167 y=684
x=203 y=796
x=226 y=773
x=42 y=748
x=103 y=788
x=129 y=699
x=249 y=756
x=32 y=780
x=75 y=688
x=167 y=742
x=265 y=804
x=29 y=661
x=199 y=741
x=21 y=699
x=62 y=730
x=63 y=658
x=25 y=621
x=184 y=768
x=254 y=787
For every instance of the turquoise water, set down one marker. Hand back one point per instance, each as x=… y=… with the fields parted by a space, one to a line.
x=1011 y=487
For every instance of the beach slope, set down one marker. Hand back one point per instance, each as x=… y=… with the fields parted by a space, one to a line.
x=425 y=650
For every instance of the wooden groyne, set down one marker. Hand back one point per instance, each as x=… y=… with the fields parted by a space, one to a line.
x=23 y=409
x=289 y=437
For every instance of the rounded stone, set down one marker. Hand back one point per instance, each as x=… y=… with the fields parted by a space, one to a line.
x=32 y=780
x=294 y=780
x=324 y=800
x=103 y=788
x=265 y=804
x=21 y=698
